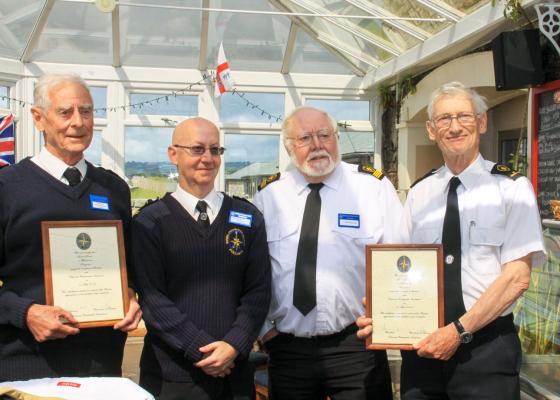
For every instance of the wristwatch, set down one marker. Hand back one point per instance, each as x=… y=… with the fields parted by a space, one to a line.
x=464 y=336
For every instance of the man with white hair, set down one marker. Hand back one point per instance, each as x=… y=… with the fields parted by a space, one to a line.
x=486 y=217
x=319 y=217
x=38 y=340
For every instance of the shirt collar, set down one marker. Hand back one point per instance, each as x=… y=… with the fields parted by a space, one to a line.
x=188 y=201
x=470 y=176
x=55 y=166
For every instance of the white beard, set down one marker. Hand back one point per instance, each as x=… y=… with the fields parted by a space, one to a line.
x=317 y=168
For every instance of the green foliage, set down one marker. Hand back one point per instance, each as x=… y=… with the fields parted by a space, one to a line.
x=513 y=10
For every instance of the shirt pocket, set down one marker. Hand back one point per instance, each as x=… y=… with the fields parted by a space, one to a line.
x=365 y=234
x=484 y=249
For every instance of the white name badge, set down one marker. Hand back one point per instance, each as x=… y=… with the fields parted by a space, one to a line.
x=99 y=202
x=349 y=220
x=241 y=219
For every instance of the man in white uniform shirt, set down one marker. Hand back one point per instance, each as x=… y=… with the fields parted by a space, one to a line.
x=488 y=253
x=319 y=217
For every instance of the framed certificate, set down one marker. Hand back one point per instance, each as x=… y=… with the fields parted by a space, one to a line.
x=85 y=270
x=404 y=294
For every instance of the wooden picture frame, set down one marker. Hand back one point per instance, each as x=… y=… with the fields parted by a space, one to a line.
x=85 y=270
x=404 y=293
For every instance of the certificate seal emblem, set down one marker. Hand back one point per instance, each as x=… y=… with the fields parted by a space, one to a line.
x=449 y=259
x=404 y=264
x=235 y=241
x=83 y=241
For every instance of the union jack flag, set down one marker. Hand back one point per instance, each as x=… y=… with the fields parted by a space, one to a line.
x=7 y=155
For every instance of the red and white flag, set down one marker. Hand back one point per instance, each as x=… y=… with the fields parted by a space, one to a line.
x=224 y=80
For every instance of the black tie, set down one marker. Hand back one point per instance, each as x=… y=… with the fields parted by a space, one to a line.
x=203 y=216
x=451 y=240
x=72 y=175
x=306 y=261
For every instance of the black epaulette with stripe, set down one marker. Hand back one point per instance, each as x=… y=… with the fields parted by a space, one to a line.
x=501 y=169
x=267 y=181
x=368 y=169
x=432 y=171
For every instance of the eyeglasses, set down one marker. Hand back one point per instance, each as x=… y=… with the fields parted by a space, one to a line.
x=197 y=151
x=464 y=118
x=305 y=139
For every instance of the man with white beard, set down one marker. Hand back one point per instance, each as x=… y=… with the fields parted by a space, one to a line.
x=319 y=217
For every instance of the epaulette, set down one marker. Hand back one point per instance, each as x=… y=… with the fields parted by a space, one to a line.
x=432 y=171
x=267 y=181
x=501 y=169
x=368 y=169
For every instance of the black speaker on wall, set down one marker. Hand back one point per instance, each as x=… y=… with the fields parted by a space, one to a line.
x=517 y=59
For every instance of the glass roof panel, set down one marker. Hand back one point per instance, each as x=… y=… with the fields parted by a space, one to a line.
x=160 y=36
x=75 y=32
x=309 y=56
x=363 y=52
x=372 y=27
x=17 y=18
x=249 y=39
x=466 y=6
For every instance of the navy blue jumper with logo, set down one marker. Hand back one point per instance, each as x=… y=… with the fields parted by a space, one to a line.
x=199 y=285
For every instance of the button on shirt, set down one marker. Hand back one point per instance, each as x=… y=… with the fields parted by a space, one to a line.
x=55 y=166
x=340 y=274
x=500 y=222
x=213 y=199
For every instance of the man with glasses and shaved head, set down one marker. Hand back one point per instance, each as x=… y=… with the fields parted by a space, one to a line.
x=204 y=278
x=319 y=217
x=486 y=217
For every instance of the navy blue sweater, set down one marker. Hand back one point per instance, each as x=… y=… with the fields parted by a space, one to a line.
x=29 y=195
x=198 y=286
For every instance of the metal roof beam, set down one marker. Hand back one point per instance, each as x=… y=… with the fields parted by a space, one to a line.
x=202 y=63
x=290 y=44
x=37 y=30
x=116 y=36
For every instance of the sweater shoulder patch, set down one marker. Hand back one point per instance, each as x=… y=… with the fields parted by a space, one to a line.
x=368 y=169
x=501 y=169
x=267 y=181
x=430 y=173
x=147 y=203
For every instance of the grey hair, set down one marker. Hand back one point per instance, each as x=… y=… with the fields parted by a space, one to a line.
x=456 y=89
x=287 y=123
x=46 y=82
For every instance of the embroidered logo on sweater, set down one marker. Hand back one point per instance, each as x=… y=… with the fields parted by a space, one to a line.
x=235 y=241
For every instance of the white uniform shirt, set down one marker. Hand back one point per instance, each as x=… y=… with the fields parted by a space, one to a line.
x=55 y=166
x=340 y=274
x=500 y=222
x=213 y=199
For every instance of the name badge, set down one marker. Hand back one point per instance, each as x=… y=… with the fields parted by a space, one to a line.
x=241 y=219
x=348 y=220
x=99 y=202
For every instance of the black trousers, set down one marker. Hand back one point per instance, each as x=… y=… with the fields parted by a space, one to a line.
x=336 y=365
x=485 y=369
x=239 y=385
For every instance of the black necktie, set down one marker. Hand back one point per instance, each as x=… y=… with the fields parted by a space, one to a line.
x=72 y=175
x=451 y=240
x=202 y=220
x=306 y=261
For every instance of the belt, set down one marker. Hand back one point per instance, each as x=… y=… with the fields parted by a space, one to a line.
x=349 y=330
